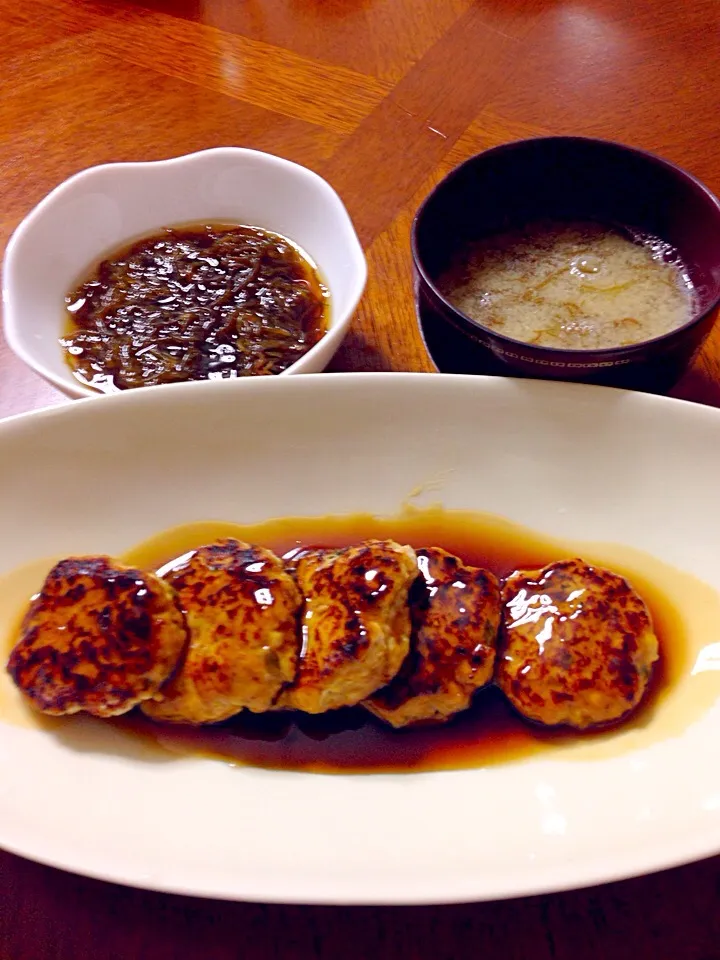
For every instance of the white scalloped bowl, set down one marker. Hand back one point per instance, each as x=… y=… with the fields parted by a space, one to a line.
x=98 y=210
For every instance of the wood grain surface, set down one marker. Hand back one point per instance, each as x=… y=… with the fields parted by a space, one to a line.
x=382 y=97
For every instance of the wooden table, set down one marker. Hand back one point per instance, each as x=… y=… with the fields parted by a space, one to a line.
x=381 y=97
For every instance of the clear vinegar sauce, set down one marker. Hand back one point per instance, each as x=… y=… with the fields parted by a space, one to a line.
x=685 y=612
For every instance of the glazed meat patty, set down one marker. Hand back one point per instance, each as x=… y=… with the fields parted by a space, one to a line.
x=241 y=607
x=99 y=637
x=355 y=623
x=577 y=645
x=455 y=611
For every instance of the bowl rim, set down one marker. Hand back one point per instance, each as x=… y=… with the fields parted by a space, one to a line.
x=69 y=384
x=559 y=352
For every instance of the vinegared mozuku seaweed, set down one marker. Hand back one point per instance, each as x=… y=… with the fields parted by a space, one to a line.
x=194 y=303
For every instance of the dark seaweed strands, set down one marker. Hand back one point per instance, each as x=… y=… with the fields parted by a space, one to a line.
x=192 y=305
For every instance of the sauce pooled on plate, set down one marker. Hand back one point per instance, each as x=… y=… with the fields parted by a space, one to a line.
x=685 y=613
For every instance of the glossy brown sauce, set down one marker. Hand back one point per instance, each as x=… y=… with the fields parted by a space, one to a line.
x=685 y=612
x=197 y=302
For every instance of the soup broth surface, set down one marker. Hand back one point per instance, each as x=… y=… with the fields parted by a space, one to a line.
x=578 y=286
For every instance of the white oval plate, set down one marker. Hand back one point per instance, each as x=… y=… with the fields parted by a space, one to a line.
x=567 y=460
